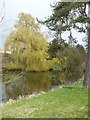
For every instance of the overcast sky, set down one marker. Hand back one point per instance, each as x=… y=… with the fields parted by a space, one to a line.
x=37 y=8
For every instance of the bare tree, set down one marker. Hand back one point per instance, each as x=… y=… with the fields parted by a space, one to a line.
x=2 y=11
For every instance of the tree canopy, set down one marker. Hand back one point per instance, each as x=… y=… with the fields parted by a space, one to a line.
x=68 y=15
x=27 y=44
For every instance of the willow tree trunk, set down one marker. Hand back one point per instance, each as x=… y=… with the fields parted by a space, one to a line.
x=86 y=81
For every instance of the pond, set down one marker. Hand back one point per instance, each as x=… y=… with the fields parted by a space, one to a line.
x=15 y=84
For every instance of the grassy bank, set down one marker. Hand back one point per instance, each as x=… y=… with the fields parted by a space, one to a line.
x=67 y=102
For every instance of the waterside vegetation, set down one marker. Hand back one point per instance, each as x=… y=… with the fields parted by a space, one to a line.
x=67 y=102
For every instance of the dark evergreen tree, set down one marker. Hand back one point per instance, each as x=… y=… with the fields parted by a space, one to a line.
x=68 y=15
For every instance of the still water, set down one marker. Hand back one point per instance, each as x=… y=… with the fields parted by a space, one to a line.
x=15 y=84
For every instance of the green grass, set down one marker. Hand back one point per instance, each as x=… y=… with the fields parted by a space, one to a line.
x=67 y=102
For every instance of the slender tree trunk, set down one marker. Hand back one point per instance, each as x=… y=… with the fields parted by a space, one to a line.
x=86 y=81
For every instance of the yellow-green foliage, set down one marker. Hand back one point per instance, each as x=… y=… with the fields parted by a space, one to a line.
x=14 y=66
x=55 y=64
x=28 y=45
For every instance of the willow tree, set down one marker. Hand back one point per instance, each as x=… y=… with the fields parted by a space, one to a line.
x=68 y=15
x=27 y=44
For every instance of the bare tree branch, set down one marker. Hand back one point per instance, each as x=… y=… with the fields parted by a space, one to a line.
x=3 y=9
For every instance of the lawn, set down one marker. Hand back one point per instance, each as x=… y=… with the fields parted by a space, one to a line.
x=66 y=102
